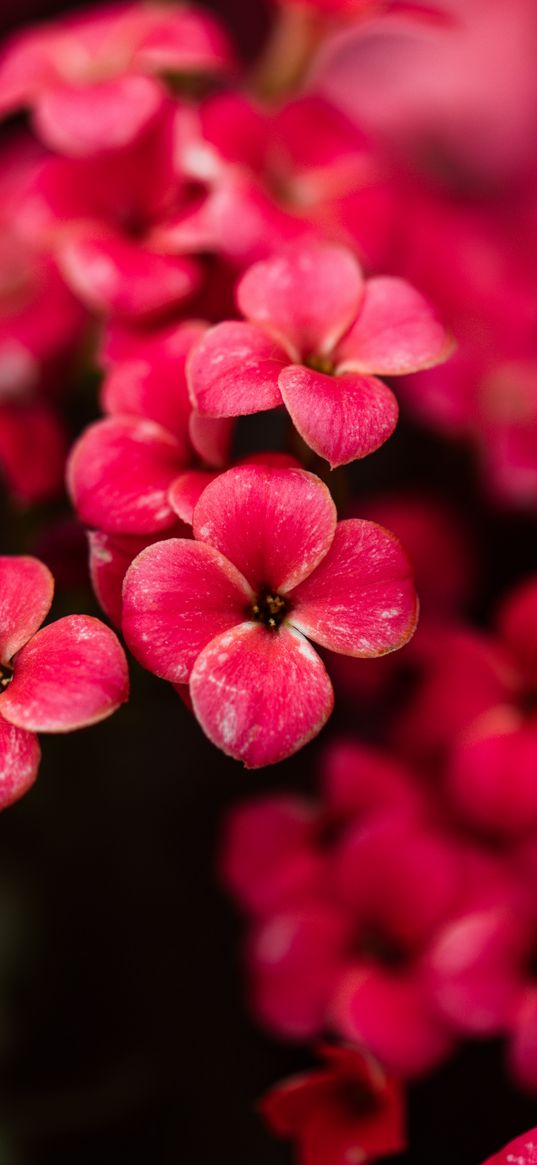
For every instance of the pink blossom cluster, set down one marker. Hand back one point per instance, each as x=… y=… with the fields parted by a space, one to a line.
x=213 y=243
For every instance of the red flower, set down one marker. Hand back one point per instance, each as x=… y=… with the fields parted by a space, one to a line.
x=70 y=674
x=92 y=79
x=316 y=336
x=346 y=1113
x=230 y=611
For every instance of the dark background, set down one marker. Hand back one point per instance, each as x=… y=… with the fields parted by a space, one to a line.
x=123 y=1031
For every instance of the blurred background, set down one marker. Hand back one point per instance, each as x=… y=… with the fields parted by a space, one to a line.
x=124 y=1035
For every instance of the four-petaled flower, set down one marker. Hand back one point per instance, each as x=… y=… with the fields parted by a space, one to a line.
x=70 y=674
x=316 y=337
x=345 y=1113
x=231 y=611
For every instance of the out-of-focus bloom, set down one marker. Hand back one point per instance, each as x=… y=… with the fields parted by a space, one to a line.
x=40 y=328
x=315 y=337
x=97 y=215
x=231 y=612
x=346 y=1111
x=270 y=177
x=122 y=468
x=70 y=674
x=92 y=80
x=461 y=98
x=492 y=772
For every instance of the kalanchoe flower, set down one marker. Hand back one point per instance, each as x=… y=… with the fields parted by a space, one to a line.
x=230 y=611
x=70 y=674
x=315 y=339
x=92 y=79
x=345 y=1113
x=121 y=470
x=269 y=176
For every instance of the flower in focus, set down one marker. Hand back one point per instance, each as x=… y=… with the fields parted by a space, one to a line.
x=231 y=611
x=92 y=80
x=70 y=674
x=346 y=1112
x=316 y=336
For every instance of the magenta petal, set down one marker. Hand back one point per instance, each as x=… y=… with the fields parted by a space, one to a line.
x=389 y=1014
x=342 y=418
x=109 y=559
x=260 y=695
x=26 y=590
x=19 y=761
x=186 y=490
x=83 y=120
x=71 y=674
x=523 y=1150
x=113 y=275
x=211 y=437
x=184 y=40
x=307 y=296
x=119 y=475
x=148 y=380
x=233 y=370
x=396 y=332
x=177 y=596
x=360 y=600
x=274 y=524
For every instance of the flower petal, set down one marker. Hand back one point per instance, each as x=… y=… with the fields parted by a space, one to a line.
x=184 y=40
x=342 y=418
x=26 y=590
x=110 y=556
x=119 y=475
x=306 y=297
x=240 y=687
x=19 y=761
x=111 y=274
x=360 y=600
x=274 y=524
x=86 y=119
x=149 y=380
x=389 y=1014
x=71 y=674
x=396 y=332
x=186 y=490
x=233 y=371
x=211 y=437
x=177 y=596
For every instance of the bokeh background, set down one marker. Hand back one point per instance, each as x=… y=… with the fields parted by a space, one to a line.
x=124 y=1035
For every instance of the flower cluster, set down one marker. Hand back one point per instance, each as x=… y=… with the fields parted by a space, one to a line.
x=259 y=280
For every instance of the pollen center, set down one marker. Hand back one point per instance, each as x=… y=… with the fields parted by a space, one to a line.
x=6 y=676
x=320 y=363
x=269 y=609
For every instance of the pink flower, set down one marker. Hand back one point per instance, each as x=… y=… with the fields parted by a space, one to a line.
x=230 y=611
x=491 y=777
x=98 y=215
x=92 y=79
x=121 y=470
x=270 y=176
x=70 y=674
x=521 y=1151
x=347 y=1111
x=314 y=337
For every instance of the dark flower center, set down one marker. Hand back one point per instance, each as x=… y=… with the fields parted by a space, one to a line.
x=320 y=363
x=269 y=609
x=6 y=676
